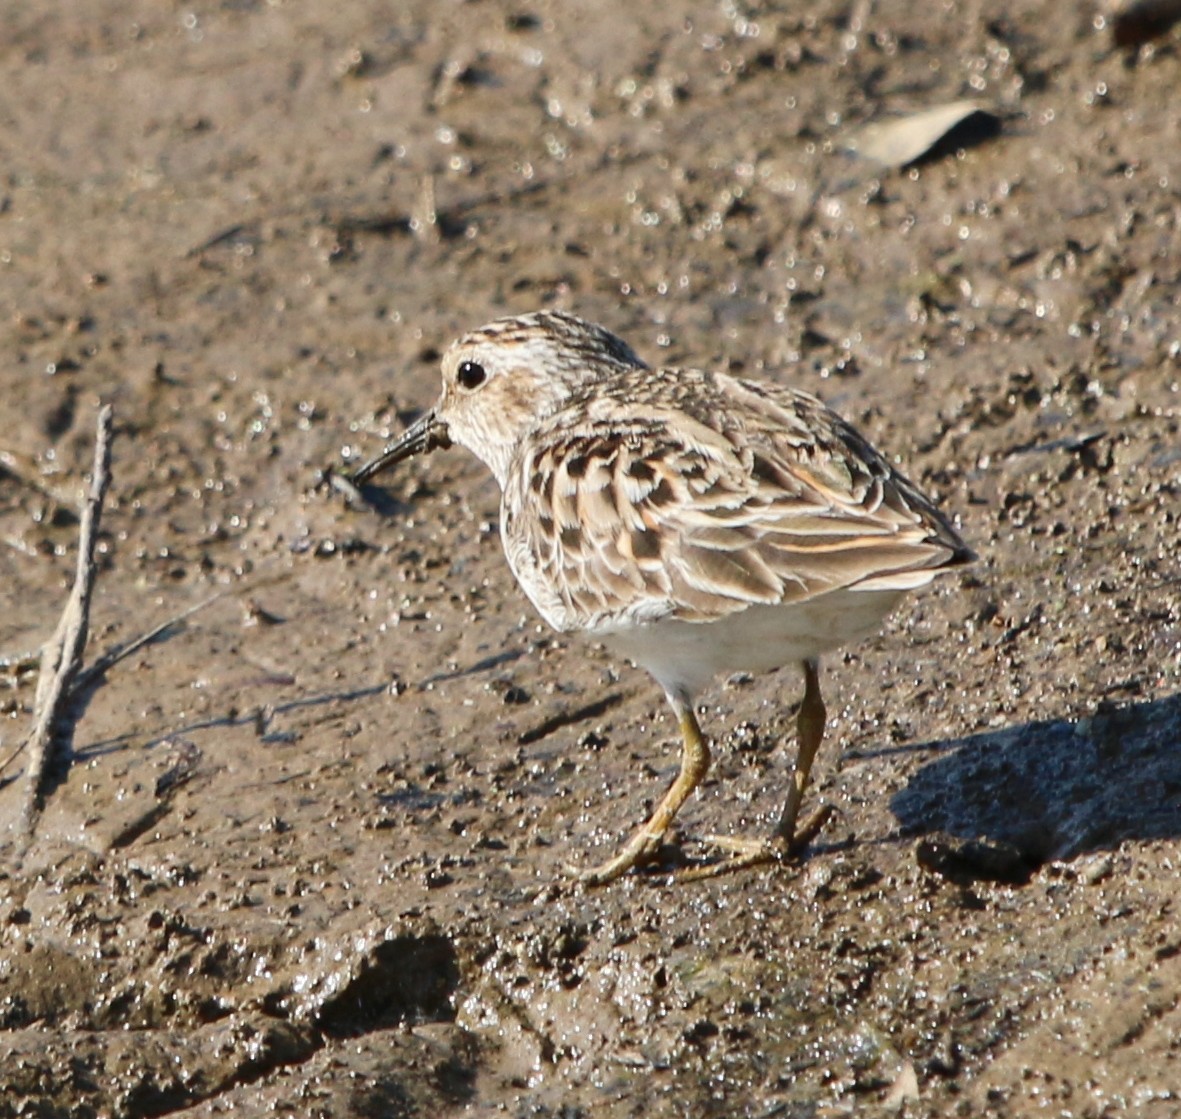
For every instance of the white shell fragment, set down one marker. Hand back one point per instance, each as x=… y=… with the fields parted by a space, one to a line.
x=904 y=140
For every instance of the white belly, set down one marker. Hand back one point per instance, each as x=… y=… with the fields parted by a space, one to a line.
x=685 y=656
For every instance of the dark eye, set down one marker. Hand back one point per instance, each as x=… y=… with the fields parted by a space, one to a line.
x=470 y=374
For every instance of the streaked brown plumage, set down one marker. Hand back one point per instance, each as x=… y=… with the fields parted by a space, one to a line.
x=696 y=522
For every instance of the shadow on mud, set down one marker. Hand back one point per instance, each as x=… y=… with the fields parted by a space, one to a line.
x=1051 y=790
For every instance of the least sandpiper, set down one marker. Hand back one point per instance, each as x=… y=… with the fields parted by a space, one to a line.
x=696 y=522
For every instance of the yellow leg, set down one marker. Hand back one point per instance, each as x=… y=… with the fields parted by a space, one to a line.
x=788 y=839
x=644 y=844
x=810 y=730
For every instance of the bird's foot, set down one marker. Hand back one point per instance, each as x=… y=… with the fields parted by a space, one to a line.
x=745 y=853
x=638 y=851
x=644 y=846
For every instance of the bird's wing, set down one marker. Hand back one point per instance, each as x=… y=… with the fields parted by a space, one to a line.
x=697 y=506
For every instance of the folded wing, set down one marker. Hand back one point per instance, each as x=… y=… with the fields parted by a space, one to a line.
x=758 y=494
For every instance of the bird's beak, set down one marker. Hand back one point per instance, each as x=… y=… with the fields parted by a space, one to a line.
x=427 y=434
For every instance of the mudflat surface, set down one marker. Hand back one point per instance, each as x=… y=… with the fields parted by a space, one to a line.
x=311 y=855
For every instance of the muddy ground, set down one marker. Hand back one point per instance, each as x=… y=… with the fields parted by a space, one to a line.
x=311 y=858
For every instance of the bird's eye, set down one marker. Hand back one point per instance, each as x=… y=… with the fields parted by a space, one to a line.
x=470 y=374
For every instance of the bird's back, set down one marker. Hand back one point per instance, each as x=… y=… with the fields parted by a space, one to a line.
x=678 y=493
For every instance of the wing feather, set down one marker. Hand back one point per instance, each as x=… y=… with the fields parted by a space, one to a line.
x=649 y=502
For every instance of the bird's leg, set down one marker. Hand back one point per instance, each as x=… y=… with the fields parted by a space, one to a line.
x=644 y=844
x=810 y=722
x=788 y=839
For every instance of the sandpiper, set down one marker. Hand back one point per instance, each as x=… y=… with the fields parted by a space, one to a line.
x=696 y=522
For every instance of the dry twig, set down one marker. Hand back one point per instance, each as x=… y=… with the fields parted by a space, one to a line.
x=61 y=658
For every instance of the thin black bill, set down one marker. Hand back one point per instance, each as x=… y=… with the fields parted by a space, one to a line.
x=427 y=434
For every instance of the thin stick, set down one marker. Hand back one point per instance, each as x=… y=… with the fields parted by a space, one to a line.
x=90 y=675
x=62 y=656
x=122 y=651
x=117 y=653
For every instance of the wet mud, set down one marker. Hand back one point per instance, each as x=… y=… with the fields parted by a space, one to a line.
x=312 y=856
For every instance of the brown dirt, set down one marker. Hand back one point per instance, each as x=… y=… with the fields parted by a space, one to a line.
x=310 y=857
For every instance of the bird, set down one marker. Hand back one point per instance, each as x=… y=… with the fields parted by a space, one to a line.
x=695 y=522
